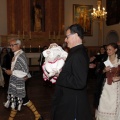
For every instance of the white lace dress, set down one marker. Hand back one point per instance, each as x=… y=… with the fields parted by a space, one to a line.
x=109 y=106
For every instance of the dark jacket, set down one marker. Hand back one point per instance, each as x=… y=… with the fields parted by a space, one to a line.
x=6 y=61
x=70 y=100
x=100 y=81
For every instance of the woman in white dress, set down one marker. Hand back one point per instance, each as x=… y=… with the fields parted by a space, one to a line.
x=109 y=103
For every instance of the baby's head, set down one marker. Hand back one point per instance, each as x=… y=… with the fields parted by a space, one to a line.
x=53 y=45
x=53 y=52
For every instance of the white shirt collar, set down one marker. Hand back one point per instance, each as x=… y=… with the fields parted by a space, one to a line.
x=15 y=53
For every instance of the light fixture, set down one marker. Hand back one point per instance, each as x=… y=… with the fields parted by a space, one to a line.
x=99 y=14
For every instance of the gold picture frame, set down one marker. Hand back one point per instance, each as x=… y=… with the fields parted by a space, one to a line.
x=82 y=16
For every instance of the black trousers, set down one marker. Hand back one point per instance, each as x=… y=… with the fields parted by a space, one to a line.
x=26 y=99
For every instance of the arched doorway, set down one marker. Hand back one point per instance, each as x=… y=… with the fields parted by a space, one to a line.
x=112 y=37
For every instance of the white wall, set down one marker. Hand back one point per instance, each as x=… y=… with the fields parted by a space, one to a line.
x=3 y=17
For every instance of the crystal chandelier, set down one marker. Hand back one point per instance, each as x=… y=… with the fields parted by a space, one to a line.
x=99 y=14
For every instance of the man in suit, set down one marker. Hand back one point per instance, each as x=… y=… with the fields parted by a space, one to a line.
x=70 y=100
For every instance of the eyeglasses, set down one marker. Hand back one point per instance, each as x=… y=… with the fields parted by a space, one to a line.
x=67 y=36
x=12 y=45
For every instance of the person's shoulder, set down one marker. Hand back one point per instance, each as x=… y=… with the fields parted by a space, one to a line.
x=80 y=52
x=23 y=54
x=82 y=48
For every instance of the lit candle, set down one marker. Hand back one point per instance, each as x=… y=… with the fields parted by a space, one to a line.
x=49 y=35
x=63 y=27
x=30 y=34
x=18 y=33
x=59 y=34
x=39 y=47
x=24 y=47
x=54 y=35
x=30 y=48
x=23 y=34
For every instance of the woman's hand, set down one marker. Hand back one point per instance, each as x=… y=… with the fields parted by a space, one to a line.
x=92 y=65
x=8 y=72
x=26 y=78
x=92 y=58
x=108 y=68
x=115 y=79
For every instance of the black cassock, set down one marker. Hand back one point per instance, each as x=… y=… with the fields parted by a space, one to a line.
x=70 y=99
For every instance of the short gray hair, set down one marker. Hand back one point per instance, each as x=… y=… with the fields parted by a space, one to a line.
x=18 y=41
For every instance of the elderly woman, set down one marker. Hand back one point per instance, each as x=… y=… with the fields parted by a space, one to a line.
x=19 y=73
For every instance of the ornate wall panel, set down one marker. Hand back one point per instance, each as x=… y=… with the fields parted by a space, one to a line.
x=19 y=22
x=19 y=16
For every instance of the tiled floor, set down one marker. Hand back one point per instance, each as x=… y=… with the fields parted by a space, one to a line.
x=41 y=96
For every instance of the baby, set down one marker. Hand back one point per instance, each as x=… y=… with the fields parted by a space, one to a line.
x=55 y=58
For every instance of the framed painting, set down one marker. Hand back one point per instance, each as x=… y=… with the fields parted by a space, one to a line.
x=82 y=16
x=113 y=15
x=37 y=12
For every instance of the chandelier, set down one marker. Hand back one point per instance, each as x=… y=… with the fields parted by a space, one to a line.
x=99 y=14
